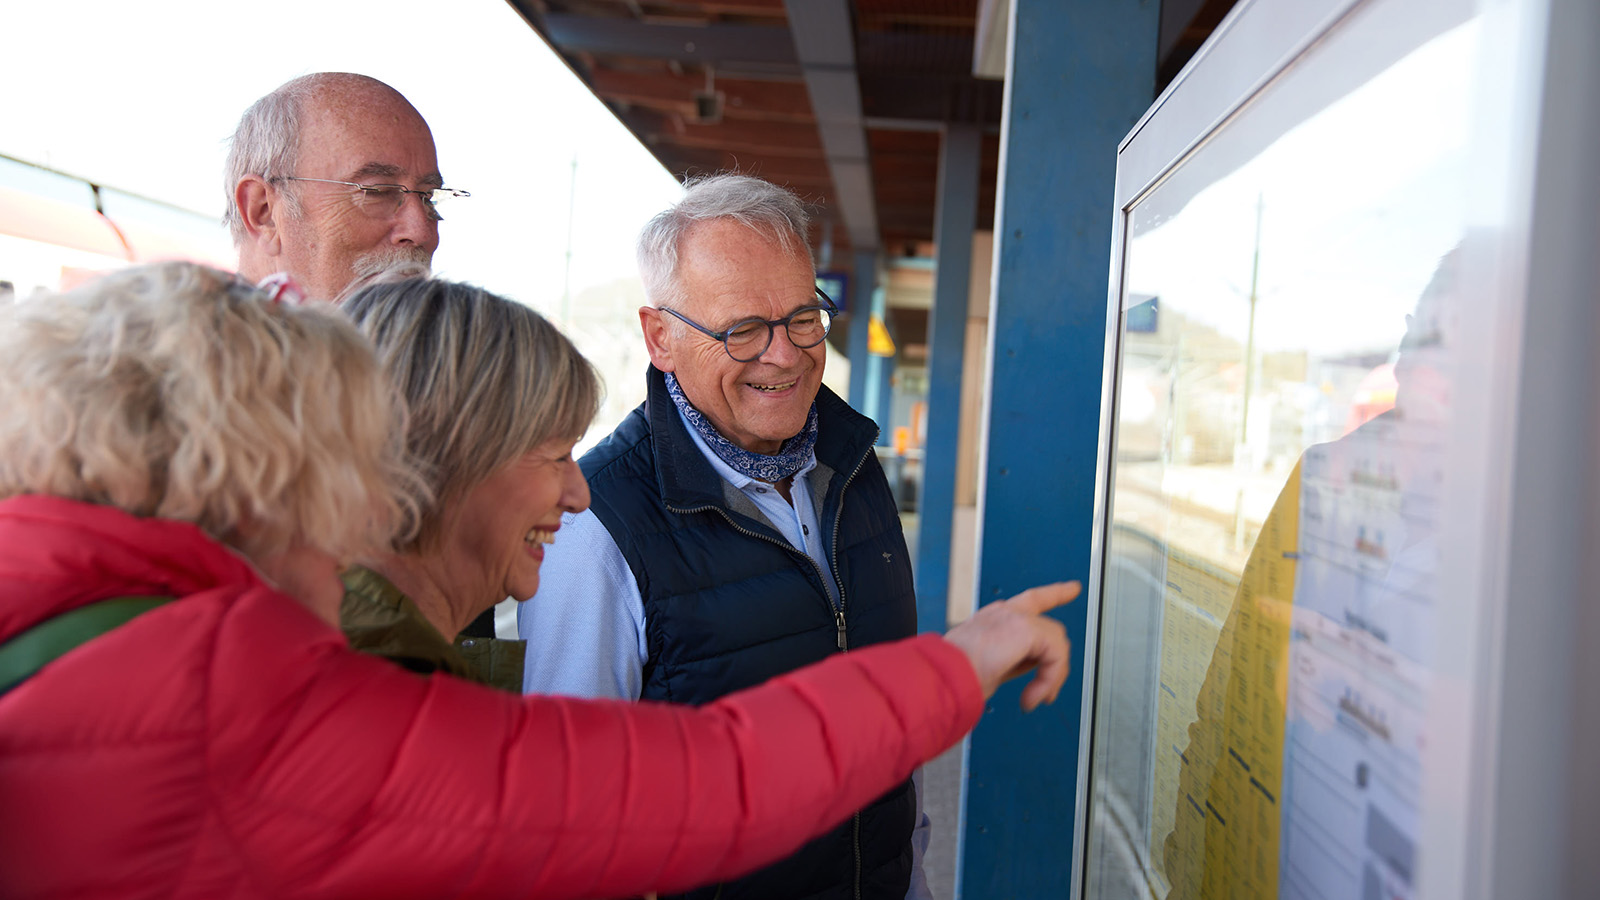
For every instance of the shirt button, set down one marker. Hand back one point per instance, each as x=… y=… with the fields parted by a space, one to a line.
x=761 y=490
x=469 y=643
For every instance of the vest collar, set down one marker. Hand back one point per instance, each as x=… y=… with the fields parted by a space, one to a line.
x=687 y=480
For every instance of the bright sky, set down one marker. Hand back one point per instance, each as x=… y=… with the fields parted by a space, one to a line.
x=1344 y=254
x=142 y=96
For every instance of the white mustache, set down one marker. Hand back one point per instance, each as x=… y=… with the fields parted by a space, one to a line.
x=406 y=262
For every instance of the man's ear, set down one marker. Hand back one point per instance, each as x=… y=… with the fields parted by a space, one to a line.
x=258 y=210
x=654 y=324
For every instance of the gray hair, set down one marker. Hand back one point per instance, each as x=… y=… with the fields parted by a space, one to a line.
x=487 y=379
x=761 y=206
x=267 y=141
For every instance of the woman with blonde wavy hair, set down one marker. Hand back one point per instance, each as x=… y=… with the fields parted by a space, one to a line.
x=173 y=392
x=183 y=463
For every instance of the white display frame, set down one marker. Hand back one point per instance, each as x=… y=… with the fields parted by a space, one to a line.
x=1530 y=421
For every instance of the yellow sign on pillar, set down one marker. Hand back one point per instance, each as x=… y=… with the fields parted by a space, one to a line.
x=878 y=341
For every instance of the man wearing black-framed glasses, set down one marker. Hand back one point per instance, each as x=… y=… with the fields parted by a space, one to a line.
x=740 y=524
x=748 y=339
x=330 y=178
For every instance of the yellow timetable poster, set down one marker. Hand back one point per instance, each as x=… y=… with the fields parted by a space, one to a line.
x=1196 y=601
x=1220 y=722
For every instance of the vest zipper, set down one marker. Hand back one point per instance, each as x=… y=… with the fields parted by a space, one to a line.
x=855 y=839
x=833 y=557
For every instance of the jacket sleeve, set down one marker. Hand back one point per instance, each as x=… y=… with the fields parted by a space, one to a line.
x=352 y=777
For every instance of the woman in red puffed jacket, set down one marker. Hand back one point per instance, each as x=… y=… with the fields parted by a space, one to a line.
x=182 y=466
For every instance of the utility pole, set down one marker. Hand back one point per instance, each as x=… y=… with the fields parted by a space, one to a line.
x=1250 y=332
x=1242 y=446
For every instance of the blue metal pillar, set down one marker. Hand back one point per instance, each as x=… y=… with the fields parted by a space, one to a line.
x=882 y=377
x=955 y=216
x=1081 y=75
x=862 y=287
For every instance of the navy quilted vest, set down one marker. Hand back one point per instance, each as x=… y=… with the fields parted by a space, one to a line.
x=729 y=603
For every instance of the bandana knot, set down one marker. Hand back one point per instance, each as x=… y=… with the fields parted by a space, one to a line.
x=789 y=459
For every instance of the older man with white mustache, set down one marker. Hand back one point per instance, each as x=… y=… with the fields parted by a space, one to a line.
x=332 y=178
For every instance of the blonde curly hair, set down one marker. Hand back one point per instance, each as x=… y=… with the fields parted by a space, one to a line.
x=177 y=391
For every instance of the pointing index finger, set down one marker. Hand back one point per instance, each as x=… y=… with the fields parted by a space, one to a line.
x=1046 y=597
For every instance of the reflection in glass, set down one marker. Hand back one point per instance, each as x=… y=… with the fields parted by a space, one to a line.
x=1282 y=397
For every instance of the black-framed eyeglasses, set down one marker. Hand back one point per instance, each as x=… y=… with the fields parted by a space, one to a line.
x=746 y=339
x=383 y=200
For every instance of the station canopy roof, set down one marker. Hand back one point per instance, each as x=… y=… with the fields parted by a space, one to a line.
x=842 y=101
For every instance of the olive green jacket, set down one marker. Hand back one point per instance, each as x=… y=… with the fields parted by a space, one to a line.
x=378 y=619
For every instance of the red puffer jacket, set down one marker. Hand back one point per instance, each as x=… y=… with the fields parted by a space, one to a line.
x=230 y=745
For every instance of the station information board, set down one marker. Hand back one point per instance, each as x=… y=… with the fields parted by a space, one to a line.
x=1306 y=391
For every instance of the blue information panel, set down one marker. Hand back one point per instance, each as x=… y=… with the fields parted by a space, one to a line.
x=837 y=286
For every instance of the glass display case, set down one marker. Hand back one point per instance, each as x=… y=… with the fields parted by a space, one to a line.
x=1319 y=285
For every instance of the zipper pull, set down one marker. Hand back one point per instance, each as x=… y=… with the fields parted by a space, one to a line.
x=838 y=619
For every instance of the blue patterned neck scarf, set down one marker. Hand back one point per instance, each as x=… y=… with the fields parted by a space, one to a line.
x=791 y=457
